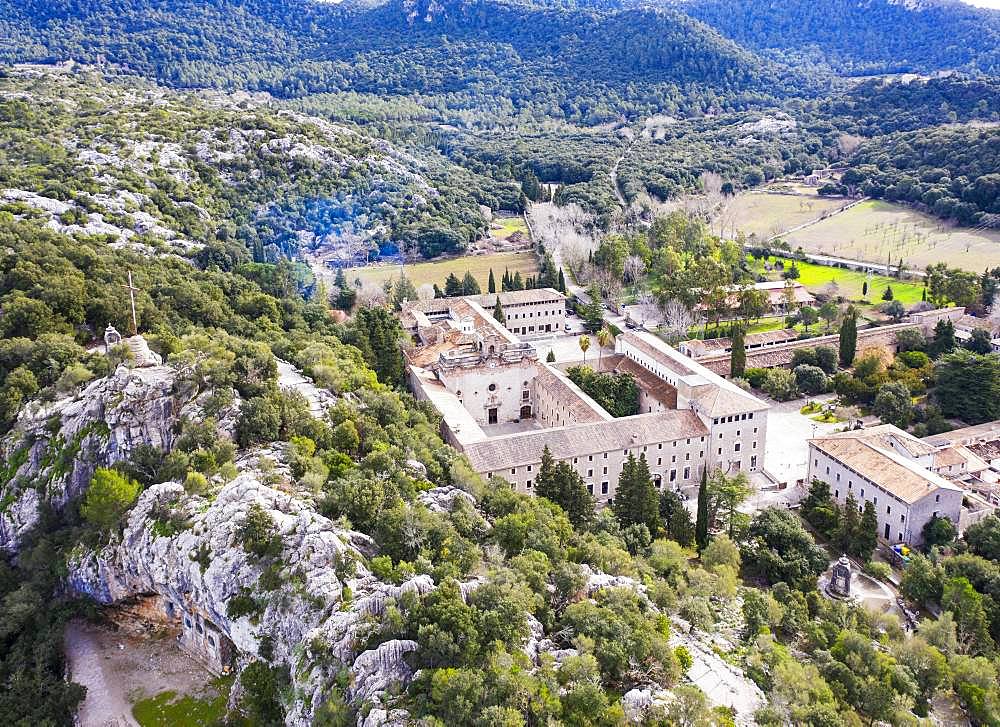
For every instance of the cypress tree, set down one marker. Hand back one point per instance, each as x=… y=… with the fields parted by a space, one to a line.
x=738 y=357
x=561 y=484
x=850 y=523
x=498 y=313
x=491 y=286
x=848 y=338
x=562 y=282
x=867 y=535
x=636 y=502
x=701 y=526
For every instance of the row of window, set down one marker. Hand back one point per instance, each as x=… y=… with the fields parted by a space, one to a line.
x=733 y=418
x=531 y=314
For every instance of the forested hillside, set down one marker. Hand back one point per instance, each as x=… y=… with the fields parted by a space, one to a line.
x=559 y=60
x=858 y=37
x=213 y=177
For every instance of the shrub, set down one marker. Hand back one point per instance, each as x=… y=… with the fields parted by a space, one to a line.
x=811 y=379
x=755 y=377
x=109 y=496
x=780 y=384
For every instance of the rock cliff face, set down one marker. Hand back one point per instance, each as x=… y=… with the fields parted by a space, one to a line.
x=317 y=611
x=59 y=445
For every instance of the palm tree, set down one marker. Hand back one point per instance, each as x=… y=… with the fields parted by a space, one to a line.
x=584 y=345
x=604 y=337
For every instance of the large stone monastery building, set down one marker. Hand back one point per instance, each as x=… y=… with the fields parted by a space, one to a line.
x=502 y=406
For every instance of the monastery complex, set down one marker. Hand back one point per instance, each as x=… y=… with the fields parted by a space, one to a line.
x=502 y=405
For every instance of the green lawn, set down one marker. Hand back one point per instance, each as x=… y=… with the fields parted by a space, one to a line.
x=435 y=272
x=168 y=710
x=850 y=283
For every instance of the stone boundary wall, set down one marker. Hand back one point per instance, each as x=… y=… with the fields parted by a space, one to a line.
x=881 y=337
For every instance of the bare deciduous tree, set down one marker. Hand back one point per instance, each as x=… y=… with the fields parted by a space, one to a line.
x=677 y=319
x=425 y=292
x=635 y=268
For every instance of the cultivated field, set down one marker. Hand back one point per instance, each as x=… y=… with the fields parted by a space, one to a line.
x=765 y=214
x=435 y=272
x=850 y=283
x=877 y=230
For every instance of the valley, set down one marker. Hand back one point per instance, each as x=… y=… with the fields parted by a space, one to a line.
x=499 y=363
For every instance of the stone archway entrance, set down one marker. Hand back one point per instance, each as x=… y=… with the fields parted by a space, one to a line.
x=526 y=411
x=492 y=415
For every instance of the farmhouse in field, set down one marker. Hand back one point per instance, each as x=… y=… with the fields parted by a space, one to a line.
x=502 y=406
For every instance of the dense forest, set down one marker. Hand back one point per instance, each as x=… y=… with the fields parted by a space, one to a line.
x=860 y=37
x=952 y=172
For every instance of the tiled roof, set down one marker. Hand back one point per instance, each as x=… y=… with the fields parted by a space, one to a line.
x=648 y=382
x=582 y=408
x=520 y=297
x=893 y=472
x=515 y=450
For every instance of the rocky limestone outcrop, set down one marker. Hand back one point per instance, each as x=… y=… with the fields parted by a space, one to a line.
x=313 y=621
x=53 y=450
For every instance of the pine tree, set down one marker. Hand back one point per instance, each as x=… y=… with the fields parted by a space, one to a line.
x=491 y=286
x=470 y=286
x=888 y=294
x=848 y=337
x=551 y=357
x=498 y=313
x=701 y=526
x=636 y=502
x=452 y=286
x=676 y=518
x=738 y=357
x=340 y=280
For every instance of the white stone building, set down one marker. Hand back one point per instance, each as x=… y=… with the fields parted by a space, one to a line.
x=502 y=406
x=528 y=313
x=894 y=471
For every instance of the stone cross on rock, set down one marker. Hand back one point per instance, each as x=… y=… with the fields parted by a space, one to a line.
x=132 y=290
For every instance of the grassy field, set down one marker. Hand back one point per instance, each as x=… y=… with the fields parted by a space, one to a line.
x=766 y=214
x=504 y=227
x=850 y=283
x=877 y=230
x=435 y=272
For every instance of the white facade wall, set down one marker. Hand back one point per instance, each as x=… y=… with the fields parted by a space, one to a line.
x=672 y=462
x=737 y=441
x=528 y=319
x=901 y=520
x=740 y=437
x=505 y=388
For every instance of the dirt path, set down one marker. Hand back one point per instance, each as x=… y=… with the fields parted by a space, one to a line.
x=614 y=173
x=119 y=669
